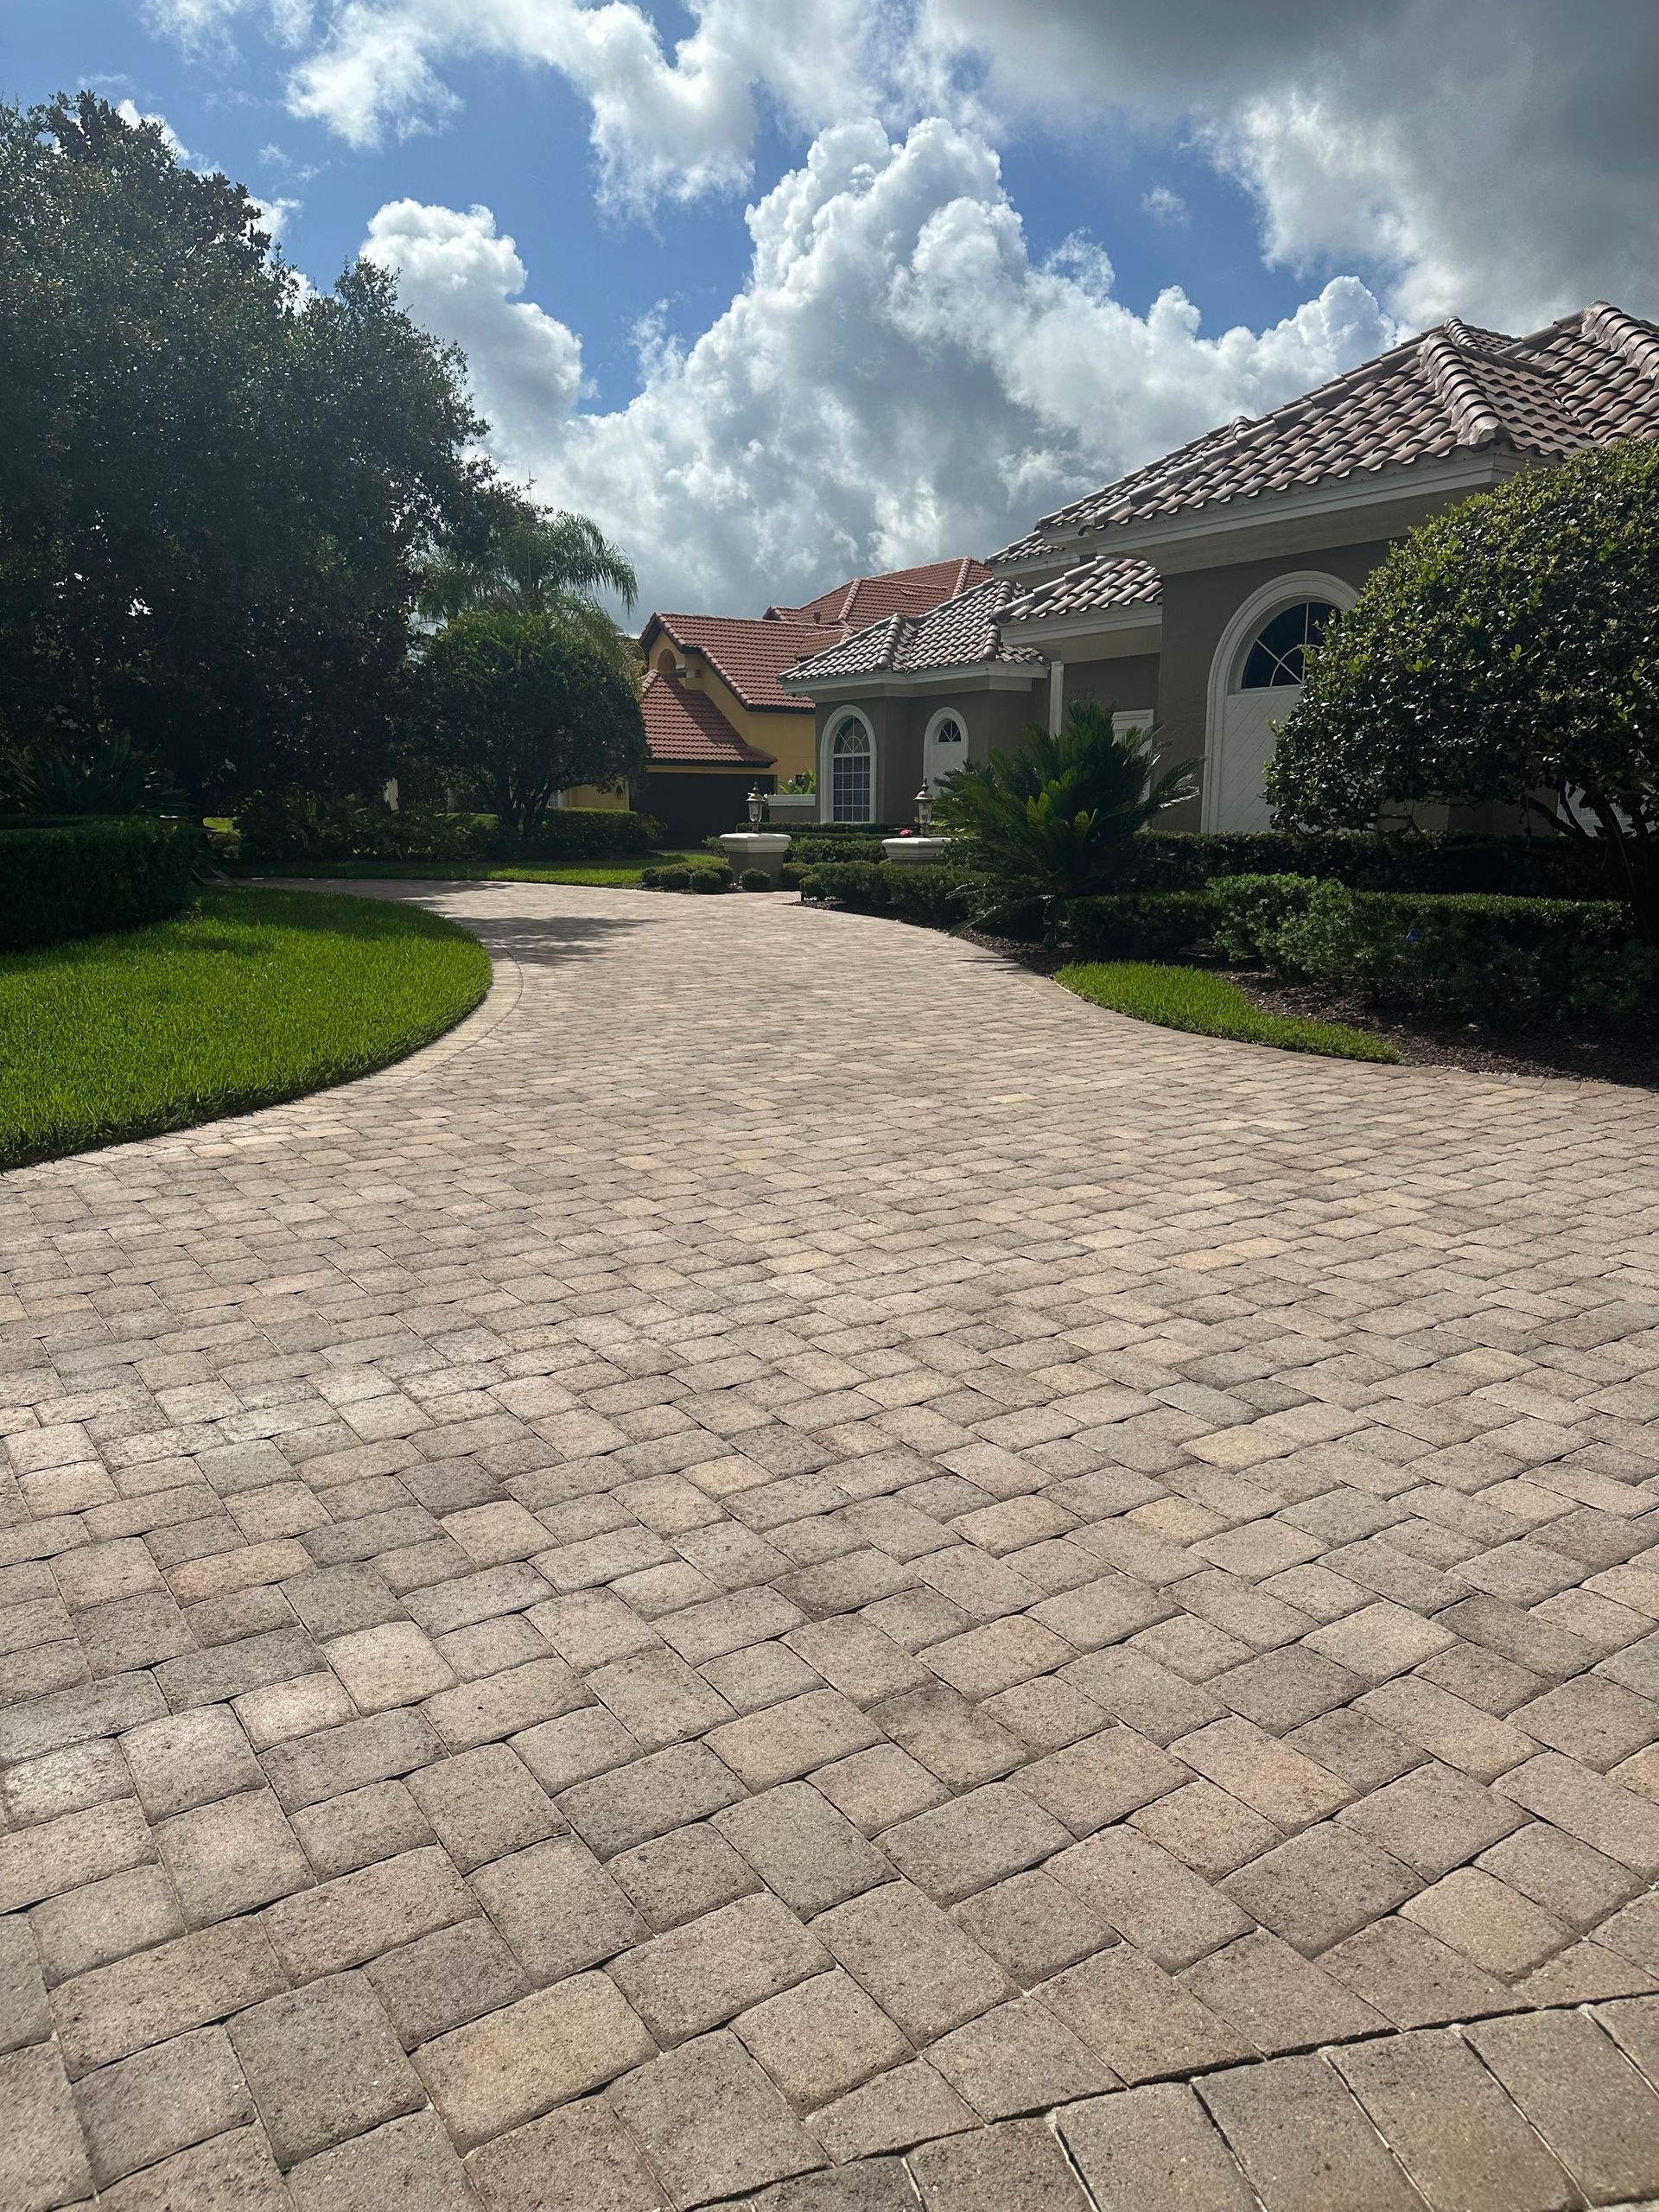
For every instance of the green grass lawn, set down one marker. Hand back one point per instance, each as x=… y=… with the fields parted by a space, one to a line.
x=255 y=996
x=611 y=875
x=1191 y=998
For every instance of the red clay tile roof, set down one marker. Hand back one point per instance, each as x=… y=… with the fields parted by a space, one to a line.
x=1584 y=381
x=686 y=727
x=963 y=633
x=1110 y=580
x=751 y=655
x=900 y=591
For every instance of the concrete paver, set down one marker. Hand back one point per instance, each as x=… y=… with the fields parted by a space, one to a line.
x=794 y=1569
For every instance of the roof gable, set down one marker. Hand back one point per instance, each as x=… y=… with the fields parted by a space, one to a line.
x=962 y=632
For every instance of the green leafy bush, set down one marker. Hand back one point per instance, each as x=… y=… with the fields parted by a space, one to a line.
x=1466 y=954
x=1504 y=650
x=70 y=880
x=791 y=876
x=810 y=846
x=934 y=893
x=710 y=879
x=754 y=879
x=671 y=879
x=292 y=825
x=1522 y=867
x=1249 y=911
x=1139 y=925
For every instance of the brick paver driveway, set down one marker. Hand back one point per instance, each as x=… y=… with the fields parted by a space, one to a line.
x=795 y=1551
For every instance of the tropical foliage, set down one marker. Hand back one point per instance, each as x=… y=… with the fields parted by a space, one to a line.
x=1050 y=820
x=1506 y=651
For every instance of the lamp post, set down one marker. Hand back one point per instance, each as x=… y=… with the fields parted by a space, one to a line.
x=755 y=807
x=923 y=808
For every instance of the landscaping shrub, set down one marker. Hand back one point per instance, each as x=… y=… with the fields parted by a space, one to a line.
x=1466 y=954
x=1049 y=819
x=930 y=892
x=1503 y=651
x=1139 y=925
x=754 y=879
x=68 y=880
x=710 y=879
x=810 y=846
x=291 y=825
x=1529 y=868
x=791 y=876
x=670 y=879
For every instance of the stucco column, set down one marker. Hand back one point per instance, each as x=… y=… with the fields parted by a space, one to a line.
x=1056 y=696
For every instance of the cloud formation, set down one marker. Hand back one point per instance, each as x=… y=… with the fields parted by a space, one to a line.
x=1496 y=158
x=898 y=379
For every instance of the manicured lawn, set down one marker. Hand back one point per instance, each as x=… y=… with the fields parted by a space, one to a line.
x=610 y=874
x=1190 y=998
x=255 y=996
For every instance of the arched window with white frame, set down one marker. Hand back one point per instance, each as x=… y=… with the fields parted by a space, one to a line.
x=852 y=770
x=1255 y=680
x=944 y=747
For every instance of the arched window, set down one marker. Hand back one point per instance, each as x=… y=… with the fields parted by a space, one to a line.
x=1278 y=656
x=950 y=732
x=851 y=780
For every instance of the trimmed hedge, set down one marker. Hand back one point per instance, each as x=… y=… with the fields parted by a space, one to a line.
x=1486 y=957
x=809 y=847
x=78 y=878
x=1534 y=868
x=1140 y=925
x=929 y=892
x=700 y=875
x=292 y=825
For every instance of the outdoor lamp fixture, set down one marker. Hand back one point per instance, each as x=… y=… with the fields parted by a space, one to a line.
x=923 y=807
x=754 y=808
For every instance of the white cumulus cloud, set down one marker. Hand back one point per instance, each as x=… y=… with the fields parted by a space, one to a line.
x=459 y=277
x=898 y=380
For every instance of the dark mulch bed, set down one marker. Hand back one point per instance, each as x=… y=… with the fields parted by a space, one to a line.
x=1599 y=1052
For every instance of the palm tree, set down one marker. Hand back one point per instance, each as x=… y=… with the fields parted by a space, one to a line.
x=1050 y=821
x=536 y=561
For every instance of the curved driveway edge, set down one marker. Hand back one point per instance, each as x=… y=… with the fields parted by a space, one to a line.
x=796 y=1570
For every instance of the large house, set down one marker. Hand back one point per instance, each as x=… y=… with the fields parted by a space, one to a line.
x=1186 y=593
x=718 y=722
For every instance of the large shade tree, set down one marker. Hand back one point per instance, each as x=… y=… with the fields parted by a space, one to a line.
x=219 y=492
x=1507 y=650
x=522 y=705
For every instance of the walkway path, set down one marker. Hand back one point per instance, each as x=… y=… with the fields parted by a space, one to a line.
x=795 y=1551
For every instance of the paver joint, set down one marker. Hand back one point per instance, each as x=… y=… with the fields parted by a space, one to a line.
x=795 y=1572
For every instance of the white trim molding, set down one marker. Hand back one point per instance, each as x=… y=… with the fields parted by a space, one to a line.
x=832 y=730
x=1247 y=618
x=1056 y=696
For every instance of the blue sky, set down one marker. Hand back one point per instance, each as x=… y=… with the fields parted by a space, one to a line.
x=999 y=254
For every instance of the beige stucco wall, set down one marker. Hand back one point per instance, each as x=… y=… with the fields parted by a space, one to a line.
x=1124 y=683
x=992 y=720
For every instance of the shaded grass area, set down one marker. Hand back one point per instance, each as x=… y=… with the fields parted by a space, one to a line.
x=1194 y=999
x=252 y=997
x=622 y=875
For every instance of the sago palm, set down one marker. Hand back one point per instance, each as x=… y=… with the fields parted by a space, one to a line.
x=1050 y=821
